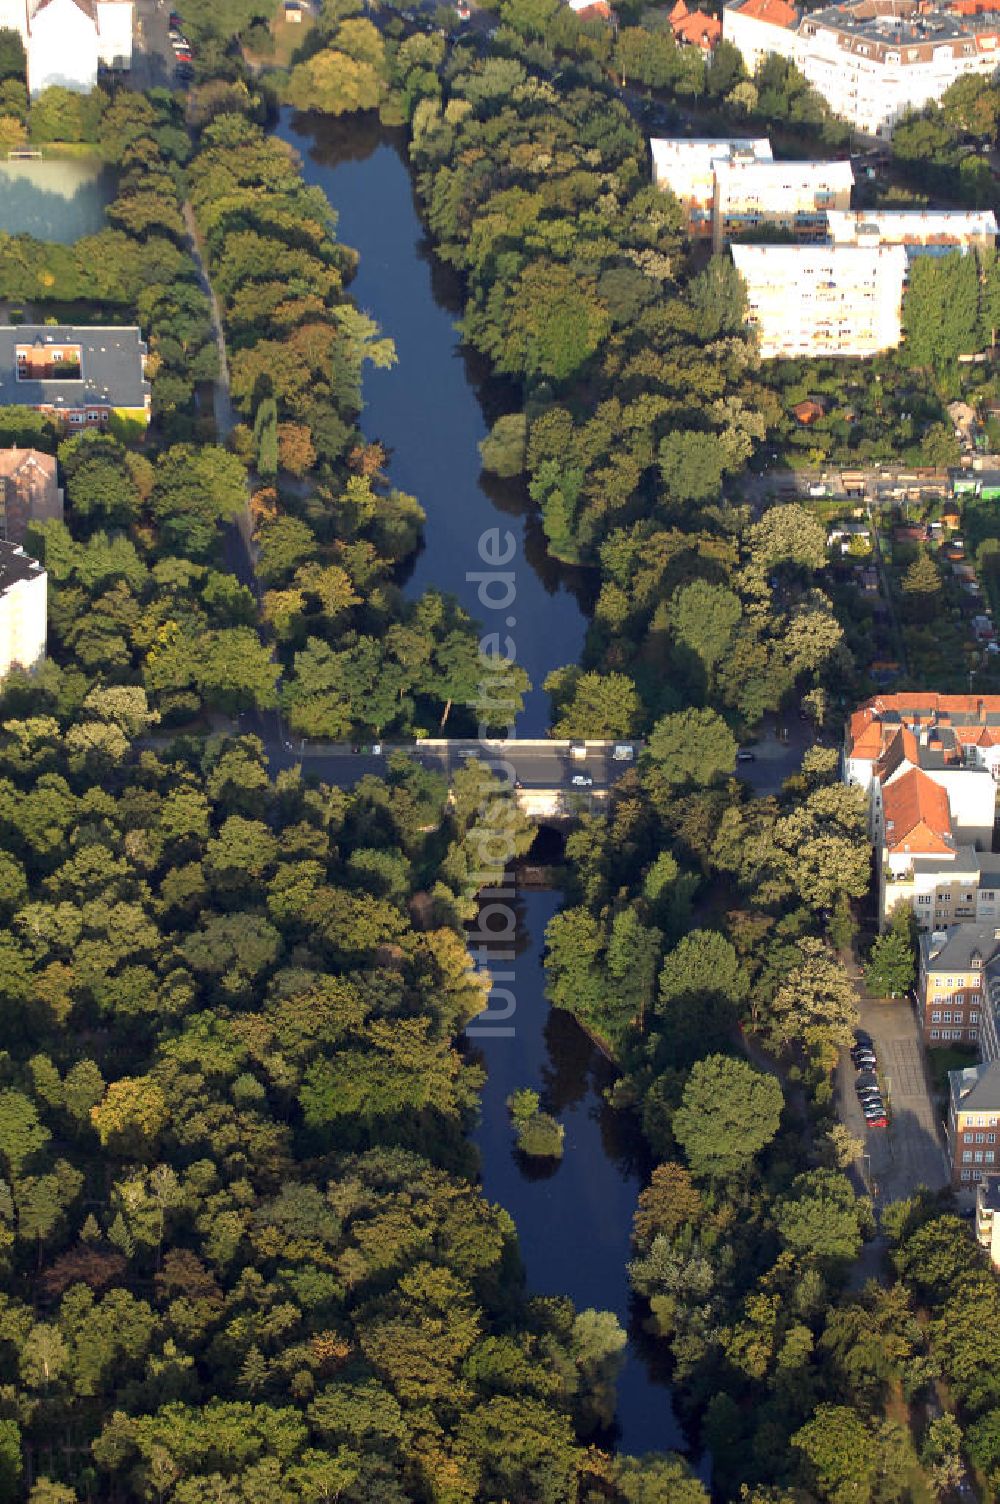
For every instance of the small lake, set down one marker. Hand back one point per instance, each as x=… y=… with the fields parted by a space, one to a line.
x=434 y=406
x=58 y=198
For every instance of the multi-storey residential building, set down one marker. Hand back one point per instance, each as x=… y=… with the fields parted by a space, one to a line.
x=29 y=491
x=732 y=186
x=792 y=196
x=687 y=167
x=23 y=604
x=929 y=764
x=78 y=375
x=813 y=300
x=988 y=1216
x=65 y=40
x=922 y=231
x=872 y=60
x=973 y=1121
x=958 y=982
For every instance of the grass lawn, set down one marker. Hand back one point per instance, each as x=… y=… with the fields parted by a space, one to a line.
x=288 y=37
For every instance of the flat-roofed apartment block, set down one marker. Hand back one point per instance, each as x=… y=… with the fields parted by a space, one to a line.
x=78 y=375
x=792 y=196
x=930 y=764
x=813 y=300
x=687 y=168
x=23 y=604
x=973 y=1122
x=872 y=60
x=922 y=232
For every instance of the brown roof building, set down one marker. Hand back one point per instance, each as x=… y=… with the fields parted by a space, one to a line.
x=28 y=491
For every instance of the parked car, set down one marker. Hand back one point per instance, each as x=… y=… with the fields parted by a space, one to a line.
x=462 y=11
x=882 y=1122
x=623 y=752
x=581 y=780
x=864 y=1060
x=861 y=1036
x=174 y=21
x=743 y=755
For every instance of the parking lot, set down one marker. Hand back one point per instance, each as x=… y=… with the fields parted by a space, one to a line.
x=153 y=63
x=910 y=1152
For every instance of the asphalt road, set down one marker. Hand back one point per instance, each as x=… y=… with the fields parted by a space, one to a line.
x=533 y=765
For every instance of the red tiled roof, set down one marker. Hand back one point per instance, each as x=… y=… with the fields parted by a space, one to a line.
x=776 y=12
x=917 y=816
x=697 y=29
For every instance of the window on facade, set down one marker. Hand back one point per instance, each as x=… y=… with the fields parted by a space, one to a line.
x=973 y=1016
x=935 y=1033
x=936 y=1016
x=980 y=1138
x=947 y=1015
x=967 y=1157
x=966 y=1174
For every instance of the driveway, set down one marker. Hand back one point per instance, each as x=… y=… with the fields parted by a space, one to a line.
x=910 y=1152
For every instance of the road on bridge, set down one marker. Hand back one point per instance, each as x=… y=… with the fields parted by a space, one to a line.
x=534 y=764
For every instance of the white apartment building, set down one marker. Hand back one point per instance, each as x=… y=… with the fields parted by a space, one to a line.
x=758 y=28
x=930 y=766
x=23 y=606
x=872 y=60
x=793 y=196
x=66 y=40
x=921 y=231
x=813 y=300
x=687 y=168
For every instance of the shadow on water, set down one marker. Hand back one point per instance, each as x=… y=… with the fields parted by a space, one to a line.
x=573 y=1217
x=54 y=199
x=435 y=406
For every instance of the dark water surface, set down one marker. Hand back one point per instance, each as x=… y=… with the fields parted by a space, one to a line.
x=429 y=408
x=573 y=1221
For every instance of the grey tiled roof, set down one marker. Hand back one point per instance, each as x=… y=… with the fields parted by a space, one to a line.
x=16 y=565
x=111 y=367
x=977 y=1088
x=961 y=943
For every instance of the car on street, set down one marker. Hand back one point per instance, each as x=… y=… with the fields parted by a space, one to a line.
x=174 y=21
x=462 y=11
x=743 y=755
x=861 y=1036
x=581 y=780
x=874 y=1109
x=864 y=1060
x=882 y=1122
x=623 y=752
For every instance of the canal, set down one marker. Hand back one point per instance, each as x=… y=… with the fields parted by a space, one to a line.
x=55 y=198
x=431 y=410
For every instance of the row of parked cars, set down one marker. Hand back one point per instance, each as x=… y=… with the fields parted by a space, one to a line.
x=866 y=1084
x=182 y=49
